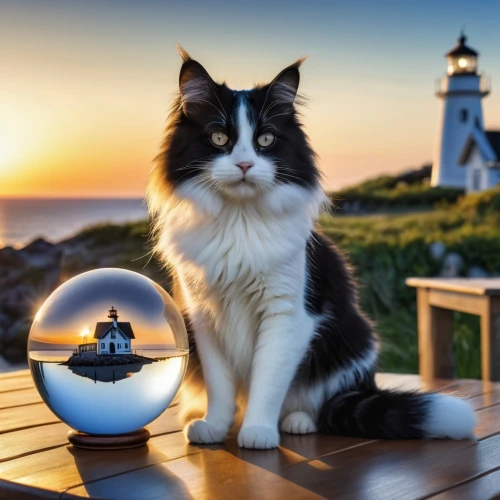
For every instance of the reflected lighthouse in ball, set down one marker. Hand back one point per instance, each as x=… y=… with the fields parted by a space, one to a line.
x=110 y=337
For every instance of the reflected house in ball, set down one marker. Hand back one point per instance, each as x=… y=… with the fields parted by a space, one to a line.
x=112 y=337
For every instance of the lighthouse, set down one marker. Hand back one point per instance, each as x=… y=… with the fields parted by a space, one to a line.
x=461 y=93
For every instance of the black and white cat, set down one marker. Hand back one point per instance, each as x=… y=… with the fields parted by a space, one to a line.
x=269 y=302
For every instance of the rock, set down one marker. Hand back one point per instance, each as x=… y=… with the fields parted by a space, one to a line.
x=27 y=277
x=452 y=265
x=14 y=341
x=5 y=321
x=437 y=250
x=38 y=246
x=41 y=254
x=9 y=257
x=477 y=272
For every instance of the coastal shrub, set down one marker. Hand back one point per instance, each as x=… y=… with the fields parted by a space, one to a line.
x=389 y=192
x=399 y=197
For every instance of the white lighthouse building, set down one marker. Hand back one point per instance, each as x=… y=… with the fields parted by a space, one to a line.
x=461 y=93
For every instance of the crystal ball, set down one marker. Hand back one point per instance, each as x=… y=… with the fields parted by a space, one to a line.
x=108 y=351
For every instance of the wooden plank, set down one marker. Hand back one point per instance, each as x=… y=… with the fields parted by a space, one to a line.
x=22 y=417
x=20 y=443
x=475 y=286
x=207 y=475
x=488 y=422
x=16 y=383
x=467 y=389
x=484 y=400
x=454 y=301
x=462 y=387
x=22 y=397
x=65 y=467
x=403 y=469
x=17 y=373
x=487 y=486
x=27 y=441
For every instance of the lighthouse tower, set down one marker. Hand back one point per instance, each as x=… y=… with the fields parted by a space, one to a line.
x=461 y=92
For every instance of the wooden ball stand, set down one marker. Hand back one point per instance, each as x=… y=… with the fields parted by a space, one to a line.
x=109 y=442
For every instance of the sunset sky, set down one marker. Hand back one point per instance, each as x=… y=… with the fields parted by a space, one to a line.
x=85 y=85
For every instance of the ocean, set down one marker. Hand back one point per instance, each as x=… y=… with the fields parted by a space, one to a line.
x=23 y=220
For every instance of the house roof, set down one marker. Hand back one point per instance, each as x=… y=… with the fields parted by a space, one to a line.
x=487 y=142
x=461 y=49
x=103 y=326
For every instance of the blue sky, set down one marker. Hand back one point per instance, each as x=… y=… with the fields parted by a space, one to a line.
x=105 y=71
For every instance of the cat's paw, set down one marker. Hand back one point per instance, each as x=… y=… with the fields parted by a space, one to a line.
x=203 y=432
x=298 y=422
x=258 y=437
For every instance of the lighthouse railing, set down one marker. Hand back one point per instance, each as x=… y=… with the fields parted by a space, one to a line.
x=485 y=84
x=443 y=86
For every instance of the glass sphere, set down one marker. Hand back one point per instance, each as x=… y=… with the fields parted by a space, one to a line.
x=108 y=351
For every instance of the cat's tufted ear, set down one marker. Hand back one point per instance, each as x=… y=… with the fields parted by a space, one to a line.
x=285 y=86
x=195 y=85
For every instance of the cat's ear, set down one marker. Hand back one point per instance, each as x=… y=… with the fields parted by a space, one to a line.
x=285 y=86
x=195 y=84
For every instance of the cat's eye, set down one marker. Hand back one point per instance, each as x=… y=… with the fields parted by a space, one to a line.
x=265 y=140
x=219 y=138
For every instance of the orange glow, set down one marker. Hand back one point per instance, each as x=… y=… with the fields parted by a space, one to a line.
x=73 y=329
x=85 y=332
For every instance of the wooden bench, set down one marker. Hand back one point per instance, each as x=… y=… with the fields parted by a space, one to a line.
x=36 y=460
x=437 y=298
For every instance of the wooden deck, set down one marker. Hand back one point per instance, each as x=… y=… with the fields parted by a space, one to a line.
x=37 y=462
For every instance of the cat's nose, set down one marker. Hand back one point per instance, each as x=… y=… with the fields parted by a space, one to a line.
x=244 y=165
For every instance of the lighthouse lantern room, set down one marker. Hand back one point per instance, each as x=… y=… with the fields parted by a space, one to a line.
x=462 y=59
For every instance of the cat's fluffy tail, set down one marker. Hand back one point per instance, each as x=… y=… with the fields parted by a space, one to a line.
x=382 y=414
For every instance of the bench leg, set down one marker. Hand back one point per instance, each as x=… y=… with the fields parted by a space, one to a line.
x=490 y=340
x=435 y=339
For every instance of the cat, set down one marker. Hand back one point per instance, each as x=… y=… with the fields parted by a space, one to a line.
x=270 y=304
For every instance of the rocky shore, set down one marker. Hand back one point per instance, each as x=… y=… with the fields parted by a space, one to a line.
x=125 y=359
x=28 y=275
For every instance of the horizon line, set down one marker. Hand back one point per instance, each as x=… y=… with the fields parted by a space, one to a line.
x=66 y=197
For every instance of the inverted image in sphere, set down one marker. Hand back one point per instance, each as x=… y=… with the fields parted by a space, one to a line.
x=108 y=351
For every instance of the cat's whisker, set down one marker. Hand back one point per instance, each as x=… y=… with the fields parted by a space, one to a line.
x=280 y=114
x=271 y=106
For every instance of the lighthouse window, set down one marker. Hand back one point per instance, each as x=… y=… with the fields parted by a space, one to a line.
x=476 y=180
x=126 y=346
x=103 y=345
x=113 y=334
x=464 y=115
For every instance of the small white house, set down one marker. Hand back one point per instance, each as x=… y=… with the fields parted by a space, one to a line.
x=481 y=159
x=113 y=337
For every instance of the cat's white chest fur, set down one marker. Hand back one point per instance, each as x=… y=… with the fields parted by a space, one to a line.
x=232 y=265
